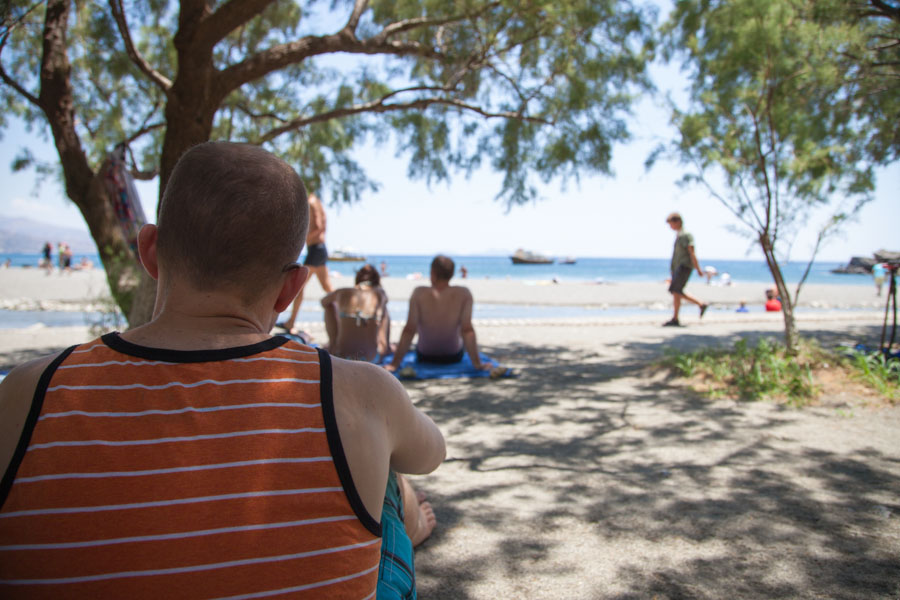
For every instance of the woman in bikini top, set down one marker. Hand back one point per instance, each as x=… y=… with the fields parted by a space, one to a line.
x=357 y=319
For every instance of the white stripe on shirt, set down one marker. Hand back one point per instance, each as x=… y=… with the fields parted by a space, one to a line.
x=65 y=510
x=167 y=440
x=228 y=465
x=141 y=386
x=177 y=411
x=194 y=568
x=177 y=536
x=300 y=588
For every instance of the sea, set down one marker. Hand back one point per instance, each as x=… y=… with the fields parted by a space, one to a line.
x=592 y=269
x=585 y=269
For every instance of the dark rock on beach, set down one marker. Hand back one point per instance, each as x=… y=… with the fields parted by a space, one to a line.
x=862 y=265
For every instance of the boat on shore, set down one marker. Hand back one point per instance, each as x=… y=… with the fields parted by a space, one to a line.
x=346 y=255
x=525 y=257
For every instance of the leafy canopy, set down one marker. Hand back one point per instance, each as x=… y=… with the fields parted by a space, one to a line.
x=533 y=88
x=775 y=111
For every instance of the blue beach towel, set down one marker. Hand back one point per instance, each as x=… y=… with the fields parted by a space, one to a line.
x=410 y=369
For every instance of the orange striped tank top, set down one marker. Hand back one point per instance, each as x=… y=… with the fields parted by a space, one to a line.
x=146 y=473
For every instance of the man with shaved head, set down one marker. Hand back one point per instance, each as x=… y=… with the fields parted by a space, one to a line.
x=197 y=455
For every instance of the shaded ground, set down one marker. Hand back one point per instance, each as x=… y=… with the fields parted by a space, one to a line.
x=588 y=478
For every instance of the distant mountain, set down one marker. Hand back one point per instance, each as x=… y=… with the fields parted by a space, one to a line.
x=19 y=235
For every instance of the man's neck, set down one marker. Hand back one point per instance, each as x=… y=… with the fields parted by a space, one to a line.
x=198 y=321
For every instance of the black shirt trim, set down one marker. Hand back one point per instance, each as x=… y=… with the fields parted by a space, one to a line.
x=37 y=403
x=115 y=341
x=337 y=449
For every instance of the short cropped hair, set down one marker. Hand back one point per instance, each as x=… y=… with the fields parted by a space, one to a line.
x=368 y=274
x=674 y=217
x=232 y=217
x=443 y=267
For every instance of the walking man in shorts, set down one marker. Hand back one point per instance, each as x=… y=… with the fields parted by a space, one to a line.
x=684 y=262
x=316 y=257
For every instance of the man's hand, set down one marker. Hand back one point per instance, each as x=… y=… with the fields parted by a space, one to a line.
x=483 y=366
x=700 y=271
x=390 y=368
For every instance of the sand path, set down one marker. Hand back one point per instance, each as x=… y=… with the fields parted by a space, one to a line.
x=587 y=478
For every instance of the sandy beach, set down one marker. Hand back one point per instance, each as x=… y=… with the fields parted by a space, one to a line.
x=592 y=475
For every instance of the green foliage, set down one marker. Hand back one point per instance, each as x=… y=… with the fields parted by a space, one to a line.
x=768 y=371
x=541 y=87
x=878 y=371
x=748 y=372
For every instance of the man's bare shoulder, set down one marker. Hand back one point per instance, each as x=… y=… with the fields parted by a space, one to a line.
x=24 y=377
x=461 y=291
x=16 y=395
x=363 y=382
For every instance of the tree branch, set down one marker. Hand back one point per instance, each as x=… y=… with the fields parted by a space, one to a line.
x=359 y=7
x=161 y=81
x=9 y=80
x=282 y=55
x=278 y=57
x=379 y=106
x=231 y=15
x=254 y=115
x=886 y=10
x=57 y=103
x=144 y=130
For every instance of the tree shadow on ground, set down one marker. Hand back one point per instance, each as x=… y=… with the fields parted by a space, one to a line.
x=743 y=511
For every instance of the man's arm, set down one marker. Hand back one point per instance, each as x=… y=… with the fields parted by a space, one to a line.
x=470 y=343
x=330 y=297
x=381 y=428
x=694 y=260
x=408 y=333
x=384 y=324
x=16 y=395
x=317 y=218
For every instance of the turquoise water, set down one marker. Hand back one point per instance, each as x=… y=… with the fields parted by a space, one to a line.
x=585 y=269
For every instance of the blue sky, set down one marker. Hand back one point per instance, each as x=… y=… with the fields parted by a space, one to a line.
x=618 y=216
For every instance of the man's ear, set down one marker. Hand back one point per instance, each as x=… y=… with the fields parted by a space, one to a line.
x=294 y=280
x=147 y=249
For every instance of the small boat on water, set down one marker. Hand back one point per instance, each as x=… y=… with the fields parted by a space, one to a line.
x=346 y=255
x=569 y=260
x=525 y=257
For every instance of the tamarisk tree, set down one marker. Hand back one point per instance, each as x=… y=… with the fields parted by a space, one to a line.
x=531 y=88
x=785 y=118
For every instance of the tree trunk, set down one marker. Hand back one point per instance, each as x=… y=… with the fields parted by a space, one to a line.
x=791 y=339
x=183 y=131
x=84 y=186
x=123 y=271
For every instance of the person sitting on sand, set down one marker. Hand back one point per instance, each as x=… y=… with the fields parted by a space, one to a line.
x=357 y=319
x=197 y=452
x=441 y=315
x=773 y=304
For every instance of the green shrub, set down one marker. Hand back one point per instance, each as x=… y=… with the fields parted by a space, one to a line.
x=753 y=372
x=878 y=371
